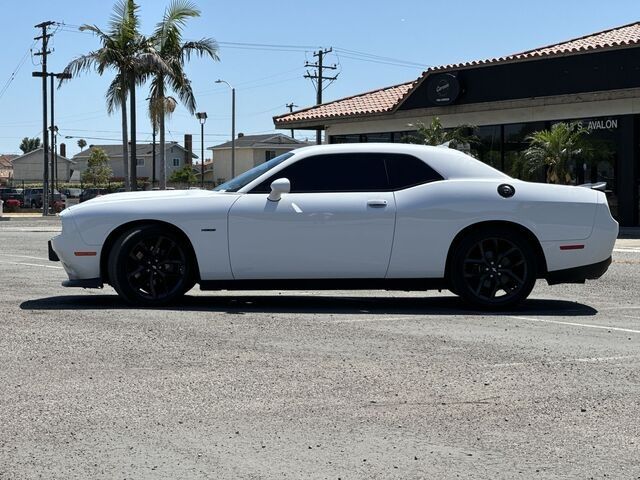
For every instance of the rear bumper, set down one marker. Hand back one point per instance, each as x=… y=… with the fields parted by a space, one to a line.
x=53 y=256
x=578 y=274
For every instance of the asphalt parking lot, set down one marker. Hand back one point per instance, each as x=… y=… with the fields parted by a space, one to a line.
x=307 y=385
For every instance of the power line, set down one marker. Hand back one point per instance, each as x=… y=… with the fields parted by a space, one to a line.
x=379 y=58
x=249 y=82
x=347 y=53
x=12 y=77
x=379 y=62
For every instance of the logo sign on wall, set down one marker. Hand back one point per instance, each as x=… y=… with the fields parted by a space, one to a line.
x=443 y=89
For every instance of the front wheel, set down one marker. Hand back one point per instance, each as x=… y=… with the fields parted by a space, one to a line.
x=493 y=268
x=149 y=266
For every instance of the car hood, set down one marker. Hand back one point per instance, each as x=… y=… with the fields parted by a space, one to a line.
x=151 y=195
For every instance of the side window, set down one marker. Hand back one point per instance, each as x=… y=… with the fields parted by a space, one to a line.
x=407 y=171
x=340 y=172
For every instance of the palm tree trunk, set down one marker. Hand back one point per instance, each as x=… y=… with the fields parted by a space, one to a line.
x=125 y=145
x=161 y=160
x=134 y=148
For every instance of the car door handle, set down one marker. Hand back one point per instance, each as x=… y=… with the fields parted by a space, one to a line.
x=377 y=203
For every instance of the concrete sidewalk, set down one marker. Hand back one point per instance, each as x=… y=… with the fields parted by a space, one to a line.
x=27 y=216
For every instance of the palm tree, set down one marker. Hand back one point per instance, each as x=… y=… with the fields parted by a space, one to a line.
x=130 y=55
x=435 y=134
x=555 y=149
x=167 y=42
x=82 y=143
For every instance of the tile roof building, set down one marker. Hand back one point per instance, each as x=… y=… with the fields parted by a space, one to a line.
x=593 y=79
x=388 y=98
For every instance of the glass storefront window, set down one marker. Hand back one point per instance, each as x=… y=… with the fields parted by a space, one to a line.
x=379 y=137
x=383 y=137
x=515 y=143
x=599 y=161
x=489 y=146
x=355 y=138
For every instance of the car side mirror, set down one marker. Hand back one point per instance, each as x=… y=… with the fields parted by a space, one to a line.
x=278 y=187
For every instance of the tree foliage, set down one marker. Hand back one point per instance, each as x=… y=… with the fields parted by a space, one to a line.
x=29 y=144
x=82 y=143
x=167 y=41
x=126 y=52
x=184 y=175
x=435 y=134
x=556 y=149
x=98 y=170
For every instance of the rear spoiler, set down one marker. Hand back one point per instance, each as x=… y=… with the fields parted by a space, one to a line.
x=595 y=186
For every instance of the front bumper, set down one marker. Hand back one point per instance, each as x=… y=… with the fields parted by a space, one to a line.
x=79 y=260
x=578 y=274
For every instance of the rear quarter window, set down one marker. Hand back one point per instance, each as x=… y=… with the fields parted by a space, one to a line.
x=406 y=171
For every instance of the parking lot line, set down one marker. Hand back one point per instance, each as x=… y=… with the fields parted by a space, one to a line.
x=574 y=324
x=24 y=264
x=627 y=250
x=565 y=360
x=23 y=256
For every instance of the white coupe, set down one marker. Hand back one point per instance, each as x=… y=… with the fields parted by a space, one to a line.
x=360 y=216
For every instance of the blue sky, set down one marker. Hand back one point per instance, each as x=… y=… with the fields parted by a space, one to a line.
x=420 y=32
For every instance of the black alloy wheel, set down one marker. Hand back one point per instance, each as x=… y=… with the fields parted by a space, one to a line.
x=493 y=269
x=149 y=266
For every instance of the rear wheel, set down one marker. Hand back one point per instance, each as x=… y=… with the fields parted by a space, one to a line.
x=149 y=266
x=493 y=268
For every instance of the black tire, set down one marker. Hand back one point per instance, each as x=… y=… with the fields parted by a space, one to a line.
x=149 y=266
x=493 y=268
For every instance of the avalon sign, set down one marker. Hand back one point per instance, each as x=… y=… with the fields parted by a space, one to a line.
x=608 y=124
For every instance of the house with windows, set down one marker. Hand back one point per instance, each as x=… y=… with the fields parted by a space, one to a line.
x=251 y=150
x=593 y=80
x=176 y=156
x=6 y=168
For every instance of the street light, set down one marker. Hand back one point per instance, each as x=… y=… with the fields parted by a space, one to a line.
x=202 y=116
x=233 y=126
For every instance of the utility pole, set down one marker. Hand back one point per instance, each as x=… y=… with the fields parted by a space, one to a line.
x=291 y=106
x=53 y=143
x=53 y=165
x=319 y=77
x=45 y=138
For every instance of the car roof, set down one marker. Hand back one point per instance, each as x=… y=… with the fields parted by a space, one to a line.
x=450 y=163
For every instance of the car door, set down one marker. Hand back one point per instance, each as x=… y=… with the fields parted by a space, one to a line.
x=337 y=222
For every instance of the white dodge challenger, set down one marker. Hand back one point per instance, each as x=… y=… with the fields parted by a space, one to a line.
x=361 y=216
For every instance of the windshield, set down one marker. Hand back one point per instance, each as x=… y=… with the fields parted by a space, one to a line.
x=249 y=176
